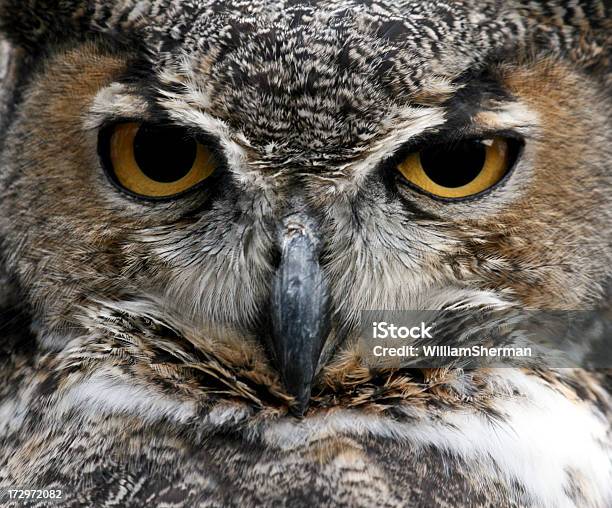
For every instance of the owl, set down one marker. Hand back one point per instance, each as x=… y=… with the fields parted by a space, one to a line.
x=200 y=198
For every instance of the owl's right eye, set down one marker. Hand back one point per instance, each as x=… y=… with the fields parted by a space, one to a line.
x=155 y=162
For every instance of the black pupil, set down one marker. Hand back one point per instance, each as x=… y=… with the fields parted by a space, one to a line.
x=454 y=165
x=164 y=154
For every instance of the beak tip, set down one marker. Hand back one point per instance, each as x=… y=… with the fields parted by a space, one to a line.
x=300 y=404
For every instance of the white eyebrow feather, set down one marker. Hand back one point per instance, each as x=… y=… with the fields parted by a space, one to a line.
x=410 y=123
x=515 y=116
x=118 y=100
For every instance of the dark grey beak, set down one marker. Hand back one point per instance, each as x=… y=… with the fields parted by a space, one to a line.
x=299 y=309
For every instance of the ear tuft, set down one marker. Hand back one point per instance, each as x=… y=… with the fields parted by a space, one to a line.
x=33 y=23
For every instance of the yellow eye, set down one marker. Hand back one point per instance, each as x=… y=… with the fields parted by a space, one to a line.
x=157 y=162
x=460 y=169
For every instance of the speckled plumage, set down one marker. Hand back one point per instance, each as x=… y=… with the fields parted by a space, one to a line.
x=132 y=370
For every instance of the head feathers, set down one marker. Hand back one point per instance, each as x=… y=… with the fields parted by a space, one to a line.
x=34 y=24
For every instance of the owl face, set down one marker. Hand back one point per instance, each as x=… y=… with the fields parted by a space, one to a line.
x=269 y=172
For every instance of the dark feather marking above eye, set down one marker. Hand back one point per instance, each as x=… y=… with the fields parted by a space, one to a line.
x=476 y=91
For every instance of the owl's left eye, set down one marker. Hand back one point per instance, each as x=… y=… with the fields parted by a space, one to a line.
x=460 y=169
x=154 y=161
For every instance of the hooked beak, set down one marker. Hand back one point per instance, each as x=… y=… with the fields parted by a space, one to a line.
x=300 y=321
